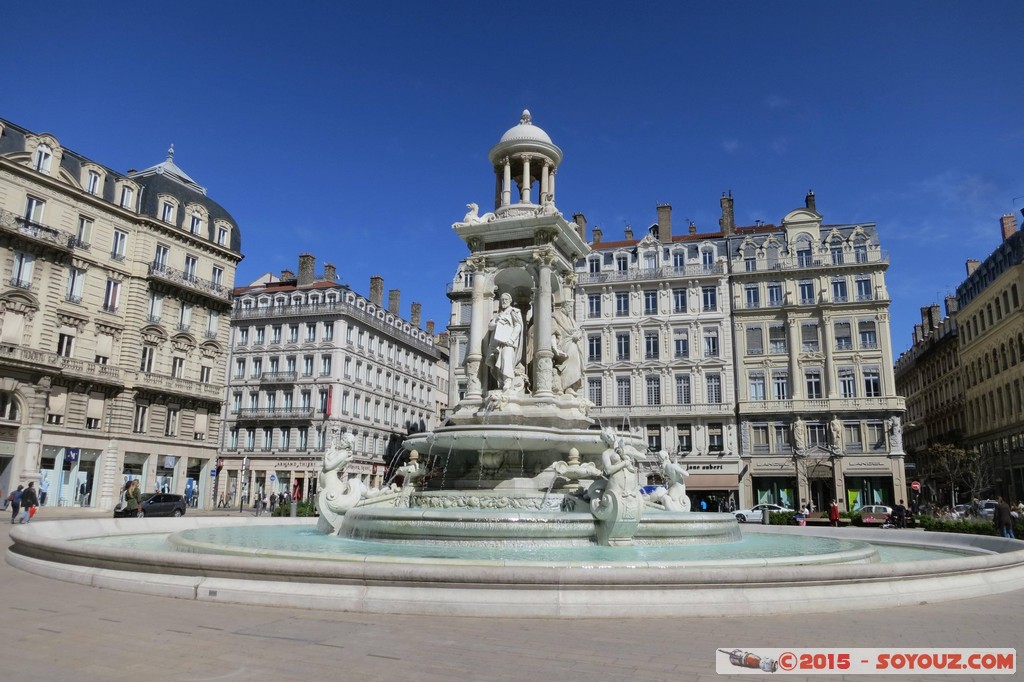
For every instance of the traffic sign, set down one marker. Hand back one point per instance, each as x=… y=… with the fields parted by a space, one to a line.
x=916 y=486
x=272 y=478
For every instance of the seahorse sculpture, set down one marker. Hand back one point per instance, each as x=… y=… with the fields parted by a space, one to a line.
x=473 y=216
x=337 y=496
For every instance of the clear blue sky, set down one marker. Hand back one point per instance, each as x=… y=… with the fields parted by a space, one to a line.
x=359 y=131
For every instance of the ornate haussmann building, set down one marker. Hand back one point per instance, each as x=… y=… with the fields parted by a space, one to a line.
x=115 y=298
x=307 y=352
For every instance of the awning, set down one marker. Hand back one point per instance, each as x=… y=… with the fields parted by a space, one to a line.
x=712 y=482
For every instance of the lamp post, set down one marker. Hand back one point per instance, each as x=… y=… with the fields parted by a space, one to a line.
x=241 y=483
x=216 y=480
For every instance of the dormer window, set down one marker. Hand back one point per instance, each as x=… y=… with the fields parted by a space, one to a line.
x=222 y=236
x=127 y=197
x=167 y=212
x=196 y=224
x=43 y=158
x=92 y=182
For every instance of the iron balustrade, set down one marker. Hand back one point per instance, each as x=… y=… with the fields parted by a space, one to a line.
x=275 y=413
x=188 y=280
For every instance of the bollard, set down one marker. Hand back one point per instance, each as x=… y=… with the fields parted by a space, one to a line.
x=294 y=509
x=765 y=517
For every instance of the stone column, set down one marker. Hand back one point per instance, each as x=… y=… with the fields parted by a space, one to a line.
x=793 y=330
x=506 y=183
x=477 y=325
x=498 y=187
x=544 y=182
x=524 y=197
x=888 y=377
x=551 y=184
x=830 y=376
x=542 y=355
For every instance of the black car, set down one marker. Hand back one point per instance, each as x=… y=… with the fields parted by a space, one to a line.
x=157 y=504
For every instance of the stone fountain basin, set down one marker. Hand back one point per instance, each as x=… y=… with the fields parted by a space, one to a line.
x=515 y=438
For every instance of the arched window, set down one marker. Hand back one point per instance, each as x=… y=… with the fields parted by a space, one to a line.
x=9 y=407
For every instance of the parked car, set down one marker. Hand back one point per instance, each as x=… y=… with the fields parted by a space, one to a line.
x=755 y=512
x=878 y=511
x=157 y=504
x=987 y=509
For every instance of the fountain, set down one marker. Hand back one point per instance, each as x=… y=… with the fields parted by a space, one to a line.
x=520 y=505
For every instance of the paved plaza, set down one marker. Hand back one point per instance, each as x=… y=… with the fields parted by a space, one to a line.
x=55 y=631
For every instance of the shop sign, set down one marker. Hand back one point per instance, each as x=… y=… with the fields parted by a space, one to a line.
x=854 y=465
x=713 y=468
x=772 y=466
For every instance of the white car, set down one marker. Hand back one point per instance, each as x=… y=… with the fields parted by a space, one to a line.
x=755 y=512
x=878 y=511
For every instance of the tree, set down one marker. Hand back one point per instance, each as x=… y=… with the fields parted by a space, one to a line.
x=967 y=470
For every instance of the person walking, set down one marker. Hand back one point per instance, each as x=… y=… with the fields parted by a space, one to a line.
x=29 y=499
x=15 y=499
x=833 y=514
x=899 y=512
x=1003 y=519
x=133 y=498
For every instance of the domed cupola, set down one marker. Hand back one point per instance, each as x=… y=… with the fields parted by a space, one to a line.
x=525 y=151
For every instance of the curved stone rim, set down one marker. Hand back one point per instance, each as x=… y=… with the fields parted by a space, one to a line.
x=430 y=588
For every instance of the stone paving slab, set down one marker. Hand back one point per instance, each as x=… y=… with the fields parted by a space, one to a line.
x=55 y=631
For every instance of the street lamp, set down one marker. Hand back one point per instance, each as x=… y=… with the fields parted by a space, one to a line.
x=241 y=483
x=216 y=480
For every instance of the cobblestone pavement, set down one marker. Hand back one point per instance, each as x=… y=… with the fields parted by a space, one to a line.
x=53 y=631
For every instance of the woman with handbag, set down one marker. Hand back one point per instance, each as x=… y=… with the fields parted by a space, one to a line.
x=133 y=498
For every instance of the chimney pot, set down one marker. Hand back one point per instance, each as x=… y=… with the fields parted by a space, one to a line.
x=727 y=223
x=430 y=327
x=307 y=268
x=809 y=200
x=287 y=275
x=394 y=301
x=597 y=235
x=629 y=232
x=330 y=273
x=376 y=290
x=1008 y=225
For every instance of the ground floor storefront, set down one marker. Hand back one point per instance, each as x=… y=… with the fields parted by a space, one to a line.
x=246 y=477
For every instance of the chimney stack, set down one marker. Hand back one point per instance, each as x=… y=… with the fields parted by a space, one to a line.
x=972 y=265
x=951 y=305
x=430 y=327
x=665 y=223
x=414 y=315
x=330 y=273
x=376 y=290
x=918 y=333
x=809 y=201
x=394 y=301
x=727 y=223
x=287 y=275
x=581 y=225
x=307 y=267
x=693 y=228
x=597 y=234
x=629 y=232
x=934 y=316
x=1008 y=224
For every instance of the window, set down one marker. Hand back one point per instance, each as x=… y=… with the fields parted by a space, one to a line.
x=812 y=380
x=328 y=331
x=623 y=392
x=653 y=390
x=206 y=374
x=621 y=263
x=863 y=289
x=709 y=296
x=755 y=341
x=65 y=344
x=683 y=394
x=171 y=425
x=21 y=273
x=212 y=323
x=83 y=237
x=222 y=236
x=679 y=260
x=681 y=343
x=111 y=296
x=839 y=294
x=594 y=305
x=34 y=209
x=92 y=182
x=803 y=256
x=127 y=197
x=650 y=260
x=160 y=257
x=806 y=288
x=837 y=254
x=679 y=300
x=866 y=331
x=148 y=354
x=286 y=439
x=76 y=281
x=303 y=439
x=594 y=348
x=860 y=252
x=716 y=439
x=257 y=368
x=261 y=336
x=268 y=438
x=847 y=383
x=774 y=293
x=322 y=400
x=876 y=435
x=275 y=333
x=178 y=368
x=650 y=302
x=195 y=225
x=816 y=434
x=310 y=332
x=777 y=338
x=622 y=346
x=852 y=437
x=307 y=366
x=293 y=333
x=780 y=385
x=191 y=267
x=185 y=317
x=781 y=437
x=141 y=421
x=250 y=439
x=844 y=341
x=119 y=245
x=759 y=438
x=42 y=159
x=217 y=277
x=750 y=264
x=753 y=296
x=325 y=365
x=714 y=386
x=651 y=345
x=711 y=343
x=809 y=337
x=595 y=391
x=594 y=265
x=872 y=383
x=621 y=303
x=167 y=212
x=757 y=387
x=707 y=259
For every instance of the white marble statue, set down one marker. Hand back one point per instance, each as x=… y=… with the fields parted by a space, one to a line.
x=674 y=497
x=335 y=495
x=895 y=428
x=506 y=338
x=615 y=501
x=836 y=427
x=567 y=343
x=800 y=434
x=473 y=216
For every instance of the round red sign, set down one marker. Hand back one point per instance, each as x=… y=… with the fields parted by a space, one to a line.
x=915 y=485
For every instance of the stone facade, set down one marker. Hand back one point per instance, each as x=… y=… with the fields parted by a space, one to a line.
x=308 y=352
x=114 y=305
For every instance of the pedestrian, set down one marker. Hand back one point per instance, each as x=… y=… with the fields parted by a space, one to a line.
x=273 y=502
x=899 y=512
x=29 y=500
x=44 y=490
x=257 y=504
x=133 y=498
x=833 y=514
x=810 y=507
x=1003 y=519
x=263 y=503
x=15 y=499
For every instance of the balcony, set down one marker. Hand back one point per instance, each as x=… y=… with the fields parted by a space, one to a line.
x=665 y=272
x=184 y=387
x=664 y=410
x=895 y=403
x=63 y=366
x=278 y=377
x=189 y=282
x=35 y=233
x=249 y=413
x=21 y=283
